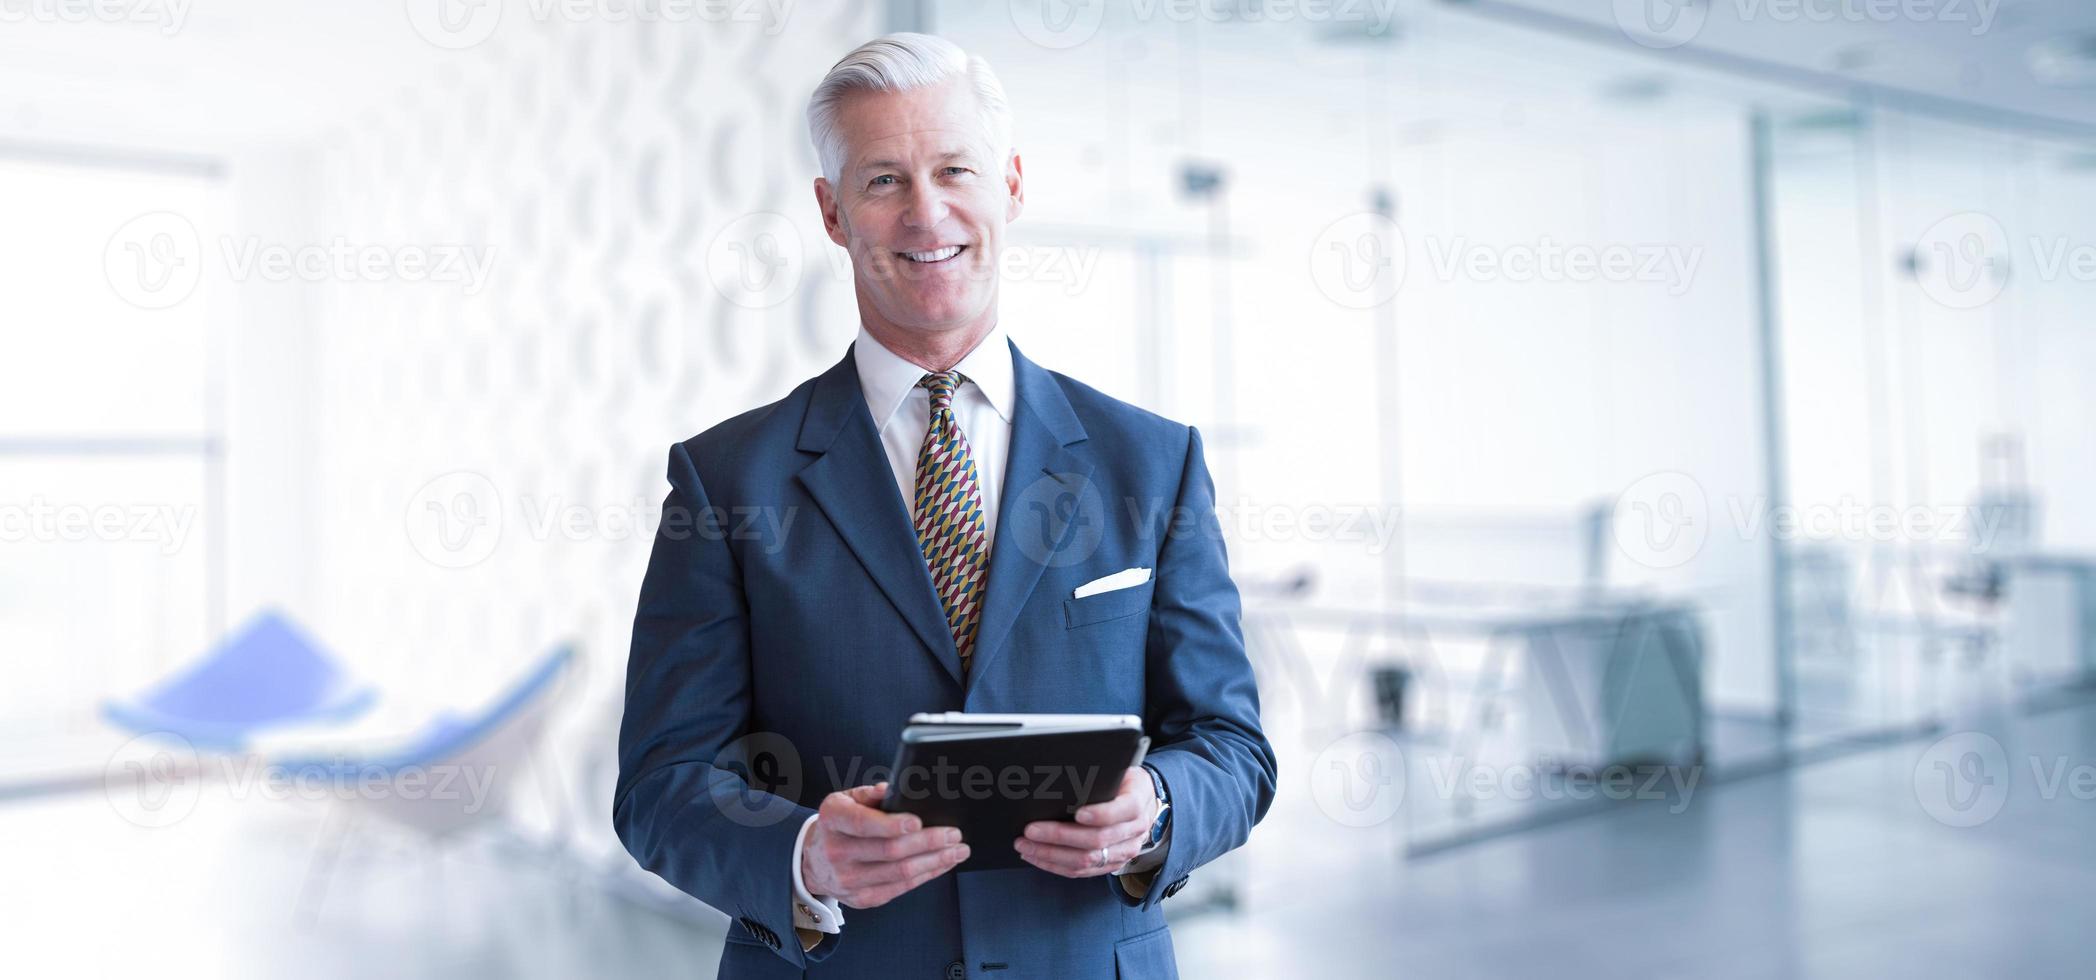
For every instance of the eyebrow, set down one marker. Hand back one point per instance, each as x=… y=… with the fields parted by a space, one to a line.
x=886 y=163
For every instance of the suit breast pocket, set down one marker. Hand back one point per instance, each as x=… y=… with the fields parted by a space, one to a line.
x=1106 y=606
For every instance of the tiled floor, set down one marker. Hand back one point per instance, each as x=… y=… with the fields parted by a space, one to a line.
x=1836 y=870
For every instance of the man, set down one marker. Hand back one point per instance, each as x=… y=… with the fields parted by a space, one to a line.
x=960 y=530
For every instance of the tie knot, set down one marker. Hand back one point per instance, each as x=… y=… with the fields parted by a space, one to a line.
x=942 y=384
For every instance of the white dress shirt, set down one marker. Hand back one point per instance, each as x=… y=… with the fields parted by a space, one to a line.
x=902 y=412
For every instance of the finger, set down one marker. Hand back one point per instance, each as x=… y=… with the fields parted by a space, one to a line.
x=842 y=813
x=1075 y=863
x=1127 y=804
x=930 y=862
x=1067 y=861
x=1083 y=838
x=885 y=850
x=883 y=894
x=869 y=795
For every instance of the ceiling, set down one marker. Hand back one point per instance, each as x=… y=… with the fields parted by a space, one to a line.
x=237 y=74
x=2028 y=62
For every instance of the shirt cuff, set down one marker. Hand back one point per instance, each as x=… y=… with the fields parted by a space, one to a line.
x=809 y=911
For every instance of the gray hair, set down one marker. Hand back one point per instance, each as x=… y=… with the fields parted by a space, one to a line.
x=898 y=63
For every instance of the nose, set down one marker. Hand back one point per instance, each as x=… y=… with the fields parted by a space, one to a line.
x=927 y=206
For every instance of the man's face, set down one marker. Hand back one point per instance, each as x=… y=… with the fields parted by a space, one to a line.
x=921 y=204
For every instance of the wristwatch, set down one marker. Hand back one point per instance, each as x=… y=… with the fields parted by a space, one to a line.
x=1164 y=807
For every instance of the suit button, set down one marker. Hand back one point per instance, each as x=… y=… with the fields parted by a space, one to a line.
x=956 y=970
x=1173 y=888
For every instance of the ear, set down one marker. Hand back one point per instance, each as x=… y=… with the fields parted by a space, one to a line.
x=1015 y=187
x=832 y=222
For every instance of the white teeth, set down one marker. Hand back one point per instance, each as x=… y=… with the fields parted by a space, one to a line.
x=936 y=255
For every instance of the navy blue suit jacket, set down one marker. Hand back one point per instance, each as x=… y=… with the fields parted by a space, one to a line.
x=788 y=627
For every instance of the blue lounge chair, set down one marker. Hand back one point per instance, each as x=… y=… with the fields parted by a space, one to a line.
x=268 y=675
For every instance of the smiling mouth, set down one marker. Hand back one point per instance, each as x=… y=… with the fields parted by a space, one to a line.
x=934 y=256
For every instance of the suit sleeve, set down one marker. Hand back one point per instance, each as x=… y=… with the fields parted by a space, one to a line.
x=1201 y=701
x=683 y=806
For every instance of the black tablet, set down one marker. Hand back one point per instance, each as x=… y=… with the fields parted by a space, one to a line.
x=992 y=774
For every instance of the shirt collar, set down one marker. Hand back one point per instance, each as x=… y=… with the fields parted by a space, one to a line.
x=887 y=379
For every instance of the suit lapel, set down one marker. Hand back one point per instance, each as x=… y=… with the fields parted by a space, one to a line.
x=1043 y=479
x=852 y=483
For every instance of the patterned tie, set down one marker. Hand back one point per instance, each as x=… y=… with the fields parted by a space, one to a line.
x=950 y=516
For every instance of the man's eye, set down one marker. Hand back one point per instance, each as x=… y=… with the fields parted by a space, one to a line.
x=951 y=171
x=884 y=179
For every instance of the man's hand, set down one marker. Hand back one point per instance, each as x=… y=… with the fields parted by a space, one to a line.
x=863 y=856
x=1120 y=825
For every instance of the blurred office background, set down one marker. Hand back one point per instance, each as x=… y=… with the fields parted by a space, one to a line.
x=1681 y=395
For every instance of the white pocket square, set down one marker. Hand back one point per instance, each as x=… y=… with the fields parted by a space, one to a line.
x=1126 y=578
